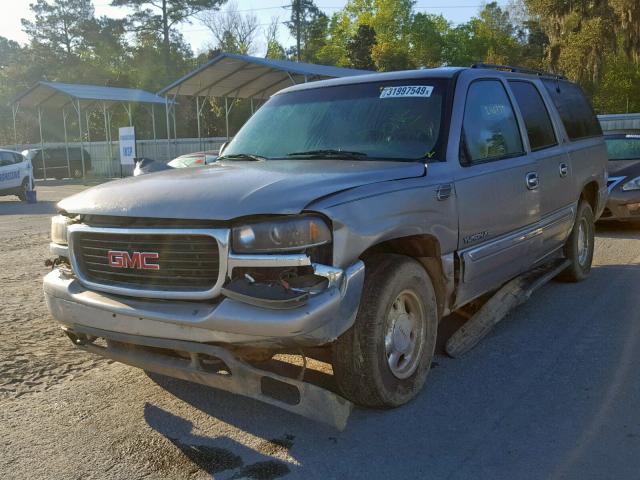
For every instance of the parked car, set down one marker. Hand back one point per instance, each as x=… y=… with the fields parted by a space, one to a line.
x=15 y=174
x=623 y=150
x=55 y=162
x=147 y=165
x=349 y=215
x=194 y=159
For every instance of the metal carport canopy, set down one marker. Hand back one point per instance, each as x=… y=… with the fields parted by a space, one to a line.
x=54 y=94
x=243 y=76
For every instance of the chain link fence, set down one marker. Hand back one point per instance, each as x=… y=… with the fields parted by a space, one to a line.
x=105 y=156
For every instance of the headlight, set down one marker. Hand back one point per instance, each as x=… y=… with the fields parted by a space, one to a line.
x=285 y=234
x=59 y=225
x=632 y=185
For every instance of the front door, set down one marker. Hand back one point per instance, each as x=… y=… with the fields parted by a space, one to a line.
x=497 y=192
x=10 y=175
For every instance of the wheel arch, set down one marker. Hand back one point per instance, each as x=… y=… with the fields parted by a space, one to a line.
x=589 y=194
x=426 y=250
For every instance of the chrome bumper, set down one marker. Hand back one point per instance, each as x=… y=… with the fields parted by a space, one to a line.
x=321 y=320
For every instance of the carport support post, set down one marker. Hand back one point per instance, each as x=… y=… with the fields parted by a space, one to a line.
x=166 y=111
x=198 y=118
x=226 y=116
x=14 y=110
x=153 y=126
x=44 y=161
x=77 y=107
x=107 y=132
x=66 y=142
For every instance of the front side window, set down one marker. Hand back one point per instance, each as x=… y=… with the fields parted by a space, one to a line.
x=394 y=120
x=6 y=159
x=489 y=130
x=535 y=115
x=623 y=147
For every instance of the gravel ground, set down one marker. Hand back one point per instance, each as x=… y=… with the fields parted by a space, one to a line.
x=551 y=393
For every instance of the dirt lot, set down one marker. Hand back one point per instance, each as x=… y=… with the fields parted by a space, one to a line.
x=553 y=392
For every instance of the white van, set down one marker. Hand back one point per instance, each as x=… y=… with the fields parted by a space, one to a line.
x=15 y=174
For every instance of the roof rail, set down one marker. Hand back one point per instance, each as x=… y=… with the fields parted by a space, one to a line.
x=509 y=68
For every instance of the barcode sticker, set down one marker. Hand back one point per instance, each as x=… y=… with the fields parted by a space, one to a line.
x=406 y=91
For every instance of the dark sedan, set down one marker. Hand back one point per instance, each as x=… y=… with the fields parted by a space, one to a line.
x=624 y=177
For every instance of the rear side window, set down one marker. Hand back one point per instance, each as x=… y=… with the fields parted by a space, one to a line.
x=574 y=109
x=489 y=130
x=535 y=115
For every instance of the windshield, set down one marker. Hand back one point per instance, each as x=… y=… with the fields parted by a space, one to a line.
x=398 y=120
x=623 y=147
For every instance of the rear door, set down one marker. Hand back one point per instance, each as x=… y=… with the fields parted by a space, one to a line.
x=498 y=198
x=557 y=204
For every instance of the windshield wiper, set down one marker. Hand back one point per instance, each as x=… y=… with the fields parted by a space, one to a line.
x=335 y=153
x=242 y=156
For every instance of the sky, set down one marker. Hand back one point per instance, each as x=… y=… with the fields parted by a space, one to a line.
x=456 y=11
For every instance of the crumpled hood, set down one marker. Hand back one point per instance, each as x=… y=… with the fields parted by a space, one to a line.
x=232 y=189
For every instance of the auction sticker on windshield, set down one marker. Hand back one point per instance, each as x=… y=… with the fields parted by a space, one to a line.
x=406 y=91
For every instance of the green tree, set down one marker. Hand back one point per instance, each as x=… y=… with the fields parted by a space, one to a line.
x=160 y=17
x=308 y=25
x=427 y=39
x=58 y=25
x=274 y=49
x=360 y=46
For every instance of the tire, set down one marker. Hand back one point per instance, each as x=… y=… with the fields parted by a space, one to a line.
x=22 y=194
x=362 y=363
x=579 y=246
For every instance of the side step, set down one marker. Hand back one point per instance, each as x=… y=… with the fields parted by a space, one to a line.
x=512 y=294
x=216 y=367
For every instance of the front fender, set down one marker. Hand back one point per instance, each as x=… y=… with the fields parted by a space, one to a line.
x=368 y=215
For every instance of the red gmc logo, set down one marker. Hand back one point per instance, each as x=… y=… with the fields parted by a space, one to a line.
x=137 y=260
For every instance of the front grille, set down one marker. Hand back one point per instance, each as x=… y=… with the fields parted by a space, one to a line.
x=186 y=262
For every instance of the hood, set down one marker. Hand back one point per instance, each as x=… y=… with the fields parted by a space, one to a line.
x=232 y=189
x=620 y=168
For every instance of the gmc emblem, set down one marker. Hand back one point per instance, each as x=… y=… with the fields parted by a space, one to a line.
x=137 y=260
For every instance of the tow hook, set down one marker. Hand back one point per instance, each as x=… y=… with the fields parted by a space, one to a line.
x=52 y=263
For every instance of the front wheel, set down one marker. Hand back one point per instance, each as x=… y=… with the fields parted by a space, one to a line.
x=24 y=188
x=384 y=359
x=580 y=244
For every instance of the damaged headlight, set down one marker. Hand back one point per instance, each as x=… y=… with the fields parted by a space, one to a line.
x=632 y=185
x=278 y=235
x=59 y=225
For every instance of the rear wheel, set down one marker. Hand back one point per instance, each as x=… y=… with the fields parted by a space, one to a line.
x=580 y=245
x=384 y=359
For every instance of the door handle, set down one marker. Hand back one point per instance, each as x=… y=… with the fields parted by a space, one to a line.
x=564 y=169
x=532 y=181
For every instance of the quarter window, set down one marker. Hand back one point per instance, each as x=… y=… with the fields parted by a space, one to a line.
x=490 y=130
x=535 y=115
x=574 y=109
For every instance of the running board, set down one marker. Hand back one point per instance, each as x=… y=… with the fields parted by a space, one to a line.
x=226 y=372
x=512 y=294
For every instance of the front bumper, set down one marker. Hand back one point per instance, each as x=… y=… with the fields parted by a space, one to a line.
x=622 y=206
x=321 y=320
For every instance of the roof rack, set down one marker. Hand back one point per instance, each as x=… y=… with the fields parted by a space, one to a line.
x=509 y=68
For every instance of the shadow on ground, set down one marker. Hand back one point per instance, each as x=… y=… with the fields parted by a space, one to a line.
x=23 y=208
x=548 y=394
